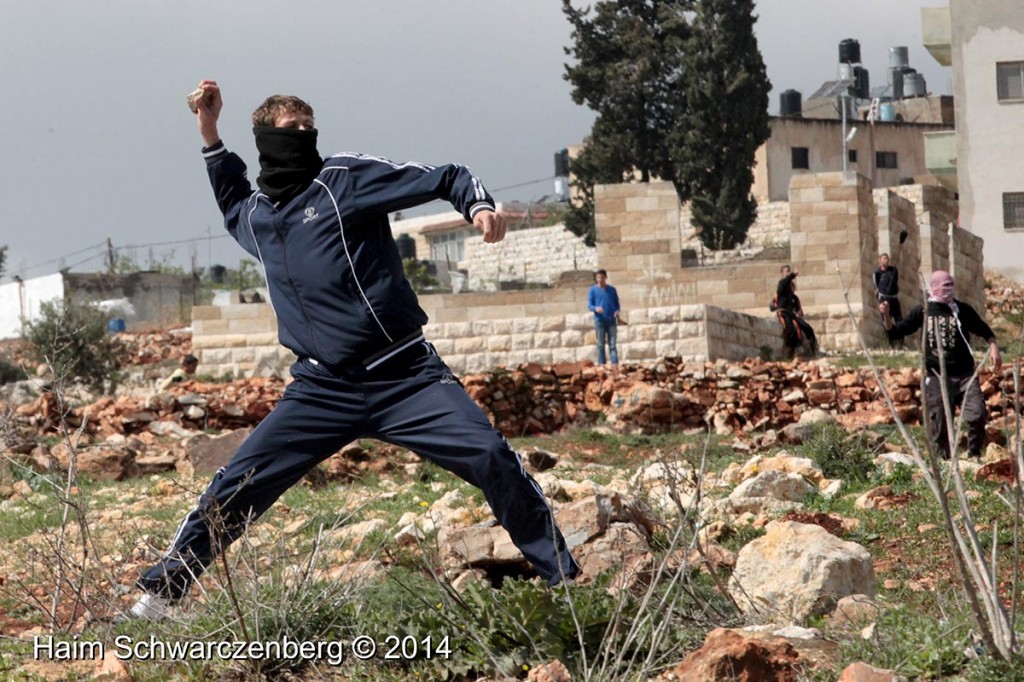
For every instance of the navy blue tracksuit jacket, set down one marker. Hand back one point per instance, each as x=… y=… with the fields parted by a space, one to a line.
x=345 y=309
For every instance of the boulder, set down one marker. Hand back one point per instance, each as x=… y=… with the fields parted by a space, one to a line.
x=727 y=655
x=209 y=453
x=775 y=484
x=862 y=672
x=586 y=519
x=795 y=434
x=798 y=570
x=620 y=546
x=855 y=611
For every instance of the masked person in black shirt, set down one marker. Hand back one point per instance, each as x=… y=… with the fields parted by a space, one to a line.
x=950 y=325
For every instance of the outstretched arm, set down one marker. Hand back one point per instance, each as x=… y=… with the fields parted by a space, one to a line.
x=226 y=170
x=208 y=112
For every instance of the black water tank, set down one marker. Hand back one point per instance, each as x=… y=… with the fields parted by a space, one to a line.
x=790 y=103
x=406 y=246
x=849 y=51
x=562 y=163
x=861 y=83
x=217 y=273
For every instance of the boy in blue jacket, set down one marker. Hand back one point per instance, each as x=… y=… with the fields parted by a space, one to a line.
x=320 y=230
x=603 y=301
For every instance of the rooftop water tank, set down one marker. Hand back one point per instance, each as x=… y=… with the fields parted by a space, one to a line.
x=898 y=56
x=887 y=111
x=914 y=85
x=790 y=103
x=896 y=82
x=849 y=51
x=861 y=83
x=406 y=246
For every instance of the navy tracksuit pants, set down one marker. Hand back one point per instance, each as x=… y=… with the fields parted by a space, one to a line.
x=412 y=401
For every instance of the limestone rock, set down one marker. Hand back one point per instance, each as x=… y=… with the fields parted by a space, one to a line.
x=209 y=453
x=862 y=672
x=775 y=484
x=727 y=655
x=855 y=611
x=555 y=671
x=620 y=546
x=816 y=416
x=798 y=570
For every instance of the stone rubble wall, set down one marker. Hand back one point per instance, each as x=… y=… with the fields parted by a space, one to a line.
x=535 y=256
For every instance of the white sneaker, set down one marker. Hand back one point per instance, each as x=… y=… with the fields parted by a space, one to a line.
x=150 y=607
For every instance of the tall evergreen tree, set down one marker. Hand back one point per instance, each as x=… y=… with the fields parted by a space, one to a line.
x=629 y=69
x=727 y=90
x=3 y=260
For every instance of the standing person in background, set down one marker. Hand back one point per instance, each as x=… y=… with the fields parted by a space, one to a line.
x=790 y=313
x=603 y=301
x=950 y=325
x=887 y=286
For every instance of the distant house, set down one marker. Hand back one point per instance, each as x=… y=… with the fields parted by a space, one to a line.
x=143 y=299
x=887 y=153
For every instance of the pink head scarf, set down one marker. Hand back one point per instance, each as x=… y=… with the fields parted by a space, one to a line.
x=941 y=287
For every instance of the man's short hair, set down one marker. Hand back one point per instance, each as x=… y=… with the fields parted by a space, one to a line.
x=190 y=360
x=882 y=255
x=785 y=267
x=275 y=105
x=602 y=271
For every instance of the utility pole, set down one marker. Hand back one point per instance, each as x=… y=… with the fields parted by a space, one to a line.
x=111 y=266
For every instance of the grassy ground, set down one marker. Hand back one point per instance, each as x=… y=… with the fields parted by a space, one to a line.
x=282 y=582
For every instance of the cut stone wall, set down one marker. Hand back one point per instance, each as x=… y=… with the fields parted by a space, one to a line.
x=535 y=256
x=693 y=332
x=834 y=245
x=838 y=226
x=895 y=214
x=966 y=266
x=770 y=228
x=238 y=339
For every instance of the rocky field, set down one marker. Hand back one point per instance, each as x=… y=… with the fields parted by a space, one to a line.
x=751 y=521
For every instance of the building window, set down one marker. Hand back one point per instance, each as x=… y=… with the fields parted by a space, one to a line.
x=886 y=160
x=449 y=247
x=851 y=155
x=1010 y=80
x=1013 y=210
x=801 y=157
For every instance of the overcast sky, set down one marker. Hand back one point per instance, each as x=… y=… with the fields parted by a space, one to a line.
x=98 y=142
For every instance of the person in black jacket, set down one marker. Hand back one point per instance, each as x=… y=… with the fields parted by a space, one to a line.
x=320 y=230
x=948 y=339
x=887 y=286
x=790 y=313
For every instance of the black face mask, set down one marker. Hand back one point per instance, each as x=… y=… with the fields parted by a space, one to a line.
x=289 y=161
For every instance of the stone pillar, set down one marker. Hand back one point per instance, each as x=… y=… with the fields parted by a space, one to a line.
x=967 y=265
x=895 y=214
x=637 y=230
x=934 y=244
x=834 y=245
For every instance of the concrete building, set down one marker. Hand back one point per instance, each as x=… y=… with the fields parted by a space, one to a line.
x=886 y=153
x=144 y=299
x=983 y=40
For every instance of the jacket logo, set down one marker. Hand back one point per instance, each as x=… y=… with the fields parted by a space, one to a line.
x=448 y=379
x=311 y=214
